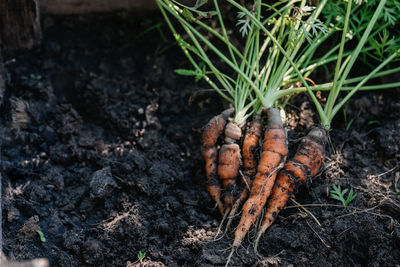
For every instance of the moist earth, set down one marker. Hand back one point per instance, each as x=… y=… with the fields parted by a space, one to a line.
x=100 y=152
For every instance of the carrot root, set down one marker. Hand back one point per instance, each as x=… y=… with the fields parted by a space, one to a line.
x=211 y=133
x=250 y=145
x=305 y=165
x=228 y=170
x=272 y=159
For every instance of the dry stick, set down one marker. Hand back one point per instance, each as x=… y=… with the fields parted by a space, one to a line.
x=320 y=238
x=307 y=211
x=272 y=159
x=211 y=133
x=359 y=210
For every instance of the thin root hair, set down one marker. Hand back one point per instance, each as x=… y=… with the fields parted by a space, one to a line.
x=244 y=180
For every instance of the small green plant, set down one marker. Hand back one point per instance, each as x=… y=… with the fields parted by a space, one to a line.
x=141 y=255
x=372 y=122
x=150 y=28
x=339 y=194
x=41 y=236
x=35 y=76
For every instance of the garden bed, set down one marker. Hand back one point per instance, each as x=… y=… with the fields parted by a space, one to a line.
x=100 y=151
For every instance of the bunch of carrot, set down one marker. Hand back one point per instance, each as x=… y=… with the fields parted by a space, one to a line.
x=249 y=169
x=269 y=178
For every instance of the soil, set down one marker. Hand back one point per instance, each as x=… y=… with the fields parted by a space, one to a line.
x=100 y=152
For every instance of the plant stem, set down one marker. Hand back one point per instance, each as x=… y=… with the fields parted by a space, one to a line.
x=335 y=89
x=355 y=89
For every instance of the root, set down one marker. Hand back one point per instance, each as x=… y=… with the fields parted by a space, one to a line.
x=219 y=230
x=259 y=233
x=238 y=202
x=244 y=180
x=232 y=214
x=230 y=256
x=256 y=245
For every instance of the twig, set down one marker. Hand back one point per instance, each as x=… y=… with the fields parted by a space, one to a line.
x=306 y=210
x=384 y=173
x=320 y=238
x=359 y=210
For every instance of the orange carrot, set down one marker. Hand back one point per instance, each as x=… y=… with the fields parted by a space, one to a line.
x=272 y=159
x=229 y=163
x=303 y=166
x=211 y=133
x=228 y=170
x=228 y=167
x=250 y=145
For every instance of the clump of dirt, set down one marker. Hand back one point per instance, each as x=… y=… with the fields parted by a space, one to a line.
x=100 y=151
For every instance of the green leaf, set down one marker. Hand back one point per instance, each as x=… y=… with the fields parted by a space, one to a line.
x=141 y=255
x=244 y=23
x=349 y=124
x=372 y=122
x=350 y=197
x=41 y=236
x=389 y=15
x=185 y=72
x=339 y=194
x=198 y=75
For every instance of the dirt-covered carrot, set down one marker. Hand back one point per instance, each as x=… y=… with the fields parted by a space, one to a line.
x=305 y=165
x=229 y=163
x=250 y=145
x=249 y=149
x=211 y=133
x=228 y=170
x=274 y=151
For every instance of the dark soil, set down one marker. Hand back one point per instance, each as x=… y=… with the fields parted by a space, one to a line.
x=100 y=152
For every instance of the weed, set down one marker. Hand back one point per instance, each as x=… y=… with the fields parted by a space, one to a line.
x=41 y=236
x=35 y=77
x=372 y=122
x=141 y=255
x=339 y=194
x=157 y=27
